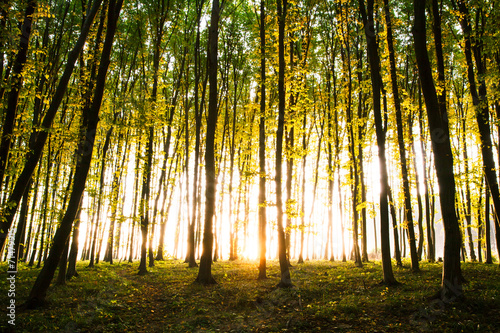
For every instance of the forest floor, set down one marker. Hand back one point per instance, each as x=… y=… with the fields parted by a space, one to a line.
x=326 y=297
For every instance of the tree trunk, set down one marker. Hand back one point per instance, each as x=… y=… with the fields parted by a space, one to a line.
x=480 y=223
x=346 y=59
x=46 y=203
x=451 y=286
x=32 y=218
x=144 y=202
x=289 y=148
x=420 y=224
x=373 y=57
x=303 y=190
x=39 y=290
x=233 y=247
x=431 y=253
x=262 y=146
x=488 y=259
x=401 y=144
x=205 y=270
x=468 y=199
x=101 y=190
x=198 y=117
x=285 y=280
x=73 y=253
x=331 y=170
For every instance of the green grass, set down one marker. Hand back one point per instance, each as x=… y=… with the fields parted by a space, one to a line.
x=328 y=296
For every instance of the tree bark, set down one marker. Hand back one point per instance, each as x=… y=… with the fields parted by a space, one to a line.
x=39 y=290
x=144 y=202
x=73 y=252
x=373 y=57
x=488 y=259
x=401 y=144
x=205 y=271
x=451 y=285
x=431 y=253
x=285 y=280
x=262 y=146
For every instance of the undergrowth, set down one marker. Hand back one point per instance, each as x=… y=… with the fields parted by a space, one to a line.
x=327 y=296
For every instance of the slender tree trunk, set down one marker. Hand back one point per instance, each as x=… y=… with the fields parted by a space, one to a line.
x=46 y=204
x=372 y=47
x=489 y=258
x=32 y=218
x=100 y=193
x=420 y=224
x=303 y=190
x=61 y=275
x=289 y=148
x=431 y=253
x=35 y=245
x=95 y=233
x=480 y=223
x=361 y=126
x=401 y=144
x=205 y=270
x=262 y=146
x=130 y=246
x=341 y=210
x=354 y=165
x=144 y=202
x=285 y=280
x=331 y=170
x=190 y=258
x=233 y=247
x=158 y=25
x=468 y=199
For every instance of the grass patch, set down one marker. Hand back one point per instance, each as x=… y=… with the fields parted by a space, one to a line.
x=327 y=296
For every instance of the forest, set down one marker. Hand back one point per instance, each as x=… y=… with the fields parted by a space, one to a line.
x=287 y=146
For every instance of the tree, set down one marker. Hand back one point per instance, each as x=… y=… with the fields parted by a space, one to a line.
x=401 y=144
x=91 y=118
x=262 y=145
x=373 y=57
x=198 y=110
x=158 y=16
x=451 y=283
x=205 y=270
x=285 y=280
